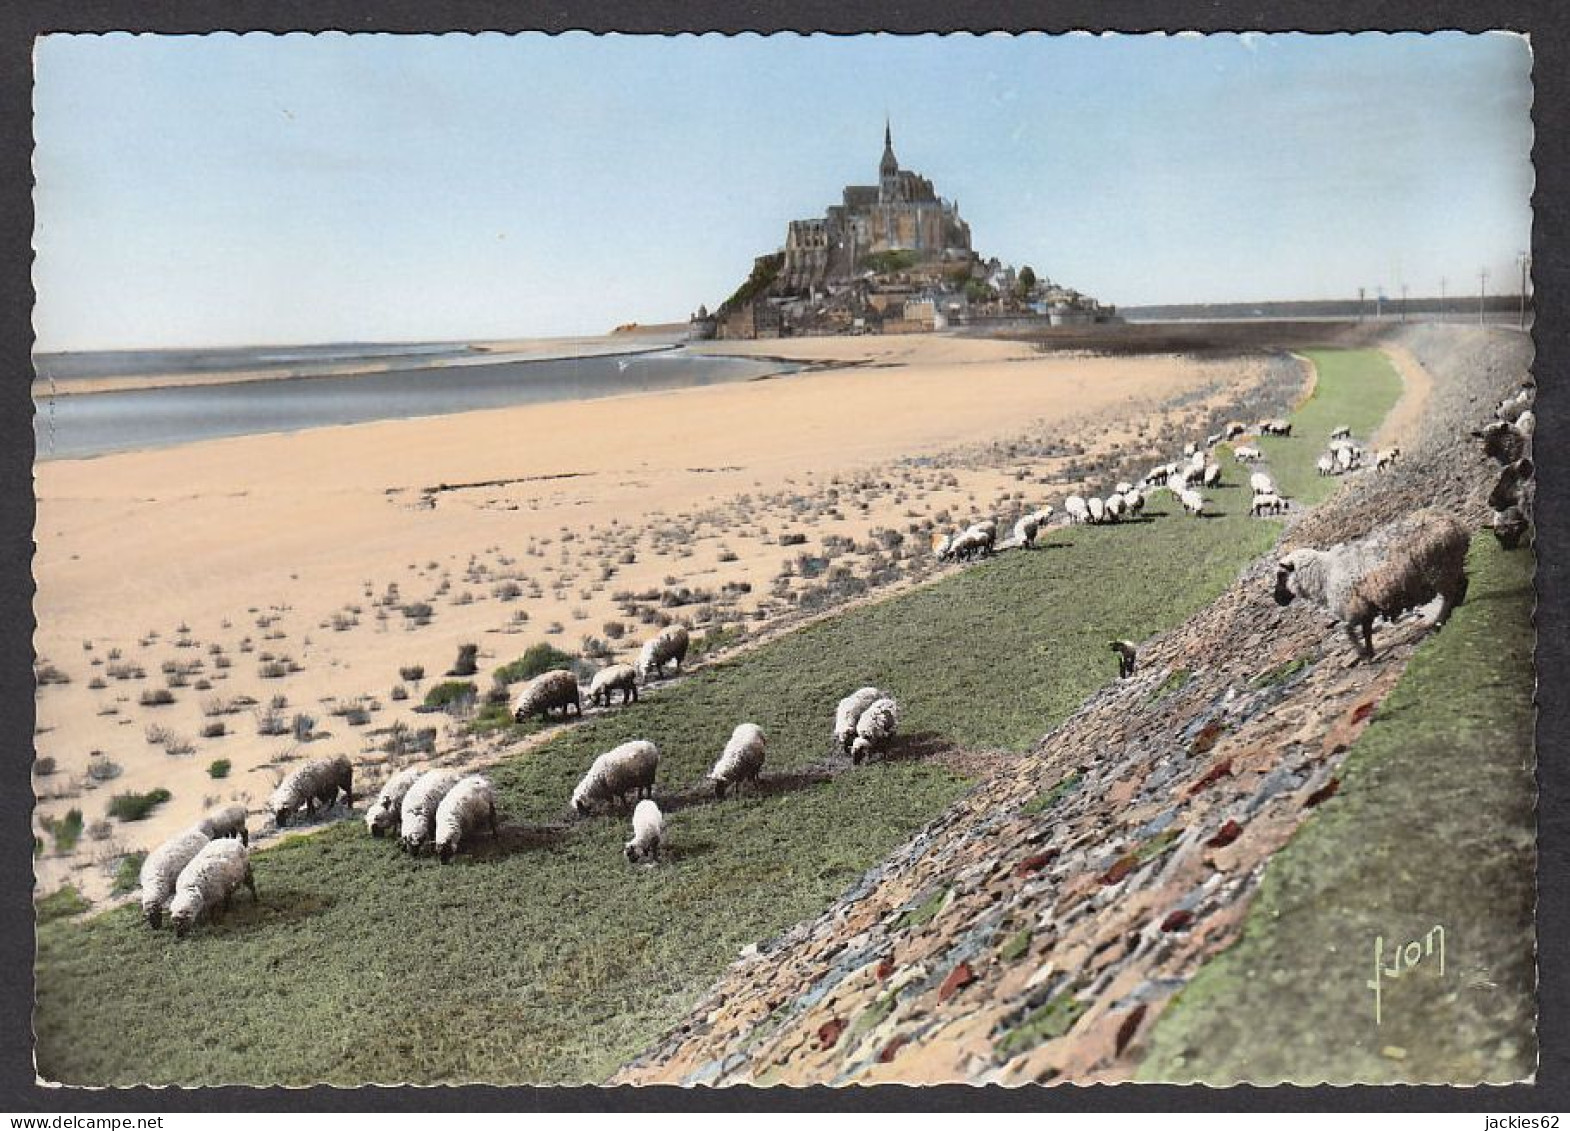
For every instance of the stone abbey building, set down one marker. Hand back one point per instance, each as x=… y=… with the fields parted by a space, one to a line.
x=901 y=212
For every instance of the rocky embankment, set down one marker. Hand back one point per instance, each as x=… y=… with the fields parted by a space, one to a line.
x=1037 y=929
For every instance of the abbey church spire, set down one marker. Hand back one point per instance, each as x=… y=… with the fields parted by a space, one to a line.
x=889 y=166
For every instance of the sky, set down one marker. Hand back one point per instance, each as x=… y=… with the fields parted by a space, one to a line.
x=223 y=189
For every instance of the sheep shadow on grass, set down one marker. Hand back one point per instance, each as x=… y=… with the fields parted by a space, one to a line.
x=511 y=839
x=273 y=907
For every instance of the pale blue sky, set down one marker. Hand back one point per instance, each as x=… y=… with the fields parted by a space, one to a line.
x=238 y=189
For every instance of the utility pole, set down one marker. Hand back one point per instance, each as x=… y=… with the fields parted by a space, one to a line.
x=1379 y=303
x=1403 y=302
x=1482 y=293
x=1525 y=260
x=1442 y=282
x=1360 y=293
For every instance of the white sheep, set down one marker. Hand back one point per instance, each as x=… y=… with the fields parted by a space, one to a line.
x=1025 y=529
x=1387 y=458
x=1385 y=574
x=629 y=768
x=648 y=833
x=1193 y=502
x=1507 y=443
x=1325 y=464
x=546 y=692
x=1198 y=460
x=386 y=811
x=1098 y=510
x=469 y=806
x=1341 y=433
x=161 y=870
x=741 y=760
x=1189 y=449
x=1113 y=506
x=616 y=677
x=1267 y=501
x=228 y=821
x=1261 y=484
x=318 y=782
x=1247 y=454
x=1134 y=500
x=848 y=713
x=1235 y=428
x=670 y=644
x=1212 y=475
x=1077 y=509
x=1510 y=408
x=1276 y=428
x=1346 y=459
x=874 y=729
x=210 y=881
x=1157 y=476
x=417 y=825
x=1123 y=487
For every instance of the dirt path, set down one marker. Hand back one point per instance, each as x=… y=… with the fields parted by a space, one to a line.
x=1404 y=424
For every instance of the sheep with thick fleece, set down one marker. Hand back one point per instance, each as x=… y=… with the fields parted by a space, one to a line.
x=547 y=692
x=1260 y=483
x=1267 y=501
x=607 y=681
x=1123 y=487
x=874 y=729
x=1212 y=475
x=1127 y=655
x=386 y=811
x=1510 y=408
x=1275 y=428
x=1193 y=502
x=1247 y=454
x=161 y=870
x=1098 y=510
x=1077 y=509
x=208 y=882
x=469 y=806
x=228 y=821
x=1157 y=476
x=417 y=824
x=1387 y=458
x=1510 y=526
x=1506 y=443
x=629 y=768
x=648 y=833
x=1025 y=530
x=742 y=759
x=848 y=713
x=1325 y=464
x=1512 y=484
x=1401 y=567
x=670 y=644
x=1113 y=505
x=1341 y=433
x=1134 y=500
x=318 y=782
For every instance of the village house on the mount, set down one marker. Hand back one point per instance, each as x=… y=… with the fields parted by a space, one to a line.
x=893 y=257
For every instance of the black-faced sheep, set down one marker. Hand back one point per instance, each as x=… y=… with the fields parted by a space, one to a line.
x=1246 y=454
x=161 y=871
x=386 y=811
x=742 y=759
x=648 y=833
x=1385 y=575
x=417 y=816
x=209 y=882
x=617 y=677
x=1127 y=656
x=670 y=644
x=629 y=768
x=317 y=783
x=469 y=806
x=228 y=821
x=848 y=713
x=1512 y=484
x=875 y=729
x=1267 y=502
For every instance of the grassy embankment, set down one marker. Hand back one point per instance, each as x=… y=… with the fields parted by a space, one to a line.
x=1433 y=827
x=547 y=957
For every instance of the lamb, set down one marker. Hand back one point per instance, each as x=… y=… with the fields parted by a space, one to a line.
x=548 y=691
x=670 y=644
x=874 y=729
x=1267 y=501
x=208 y=881
x=318 y=782
x=1260 y=483
x=1506 y=443
x=1247 y=454
x=1384 y=575
x=848 y=713
x=228 y=821
x=417 y=824
x=1193 y=502
x=617 y=677
x=161 y=870
x=1386 y=458
x=469 y=805
x=387 y=810
x=1077 y=509
x=1098 y=510
x=648 y=833
x=741 y=760
x=629 y=768
x=1127 y=656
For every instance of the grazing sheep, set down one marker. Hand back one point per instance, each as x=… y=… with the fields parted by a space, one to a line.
x=1341 y=433
x=874 y=729
x=417 y=824
x=1025 y=530
x=1098 y=510
x=161 y=871
x=848 y=713
x=1199 y=460
x=1267 y=501
x=1127 y=655
x=969 y=543
x=386 y=811
x=548 y=691
x=617 y=677
x=1212 y=476
x=1114 y=508
x=228 y=821
x=318 y=782
x=1123 y=487
x=1386 y=458
x=1512 y=485
x=1190 y=449
x=1401 y=568
x=1325 y=464
x=1077 y=509
x=1276 y=428
x=1134 y=500
x=1193 y=502
x=1510 y=526
x=1346 y=459
x=1247 y=454
x=670 y=644
x=210 y=881
x=1157 y=476
x=469 y=806
x=1189 y=475
x=648 y=833
x=741 y=760
x=629 y=768
x=1506 y=443
x=1260 y=483
x=1213 y=439
x=1235 y=428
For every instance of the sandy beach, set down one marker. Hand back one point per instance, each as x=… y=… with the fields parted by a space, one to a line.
x=295 y=565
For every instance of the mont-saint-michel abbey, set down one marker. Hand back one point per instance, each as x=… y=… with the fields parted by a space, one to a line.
x=891 y=257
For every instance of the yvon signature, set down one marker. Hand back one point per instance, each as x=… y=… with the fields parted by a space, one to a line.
x=1403 y=959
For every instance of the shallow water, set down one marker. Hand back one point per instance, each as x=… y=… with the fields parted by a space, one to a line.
x=92 y=424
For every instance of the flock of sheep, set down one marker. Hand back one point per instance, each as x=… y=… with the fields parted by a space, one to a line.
x=1396 y=569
